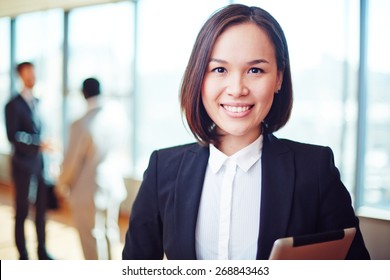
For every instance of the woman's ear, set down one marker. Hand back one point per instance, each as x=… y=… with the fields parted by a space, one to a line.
x=279 y=81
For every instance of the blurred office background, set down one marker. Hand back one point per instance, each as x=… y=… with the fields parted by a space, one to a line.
x=138 y=49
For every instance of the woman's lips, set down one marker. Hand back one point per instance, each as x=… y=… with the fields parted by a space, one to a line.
x=237 y=111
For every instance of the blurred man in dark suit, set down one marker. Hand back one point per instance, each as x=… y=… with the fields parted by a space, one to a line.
x=24 y=132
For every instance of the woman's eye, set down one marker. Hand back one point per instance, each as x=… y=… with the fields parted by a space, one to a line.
x=219 y=70
x=255 y=71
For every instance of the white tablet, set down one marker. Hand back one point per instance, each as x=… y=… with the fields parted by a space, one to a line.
x=332 y=245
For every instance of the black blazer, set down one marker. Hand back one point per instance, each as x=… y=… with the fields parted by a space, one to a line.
x=301 y=194
x=23 y=131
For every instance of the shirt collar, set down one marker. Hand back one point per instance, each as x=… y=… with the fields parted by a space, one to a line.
x=27 y=95
x=93 y=103
x=244 y=158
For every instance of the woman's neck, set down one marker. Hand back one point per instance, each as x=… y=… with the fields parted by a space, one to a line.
x=231 y=144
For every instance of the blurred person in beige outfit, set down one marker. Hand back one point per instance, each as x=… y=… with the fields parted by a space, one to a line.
x=91 y=173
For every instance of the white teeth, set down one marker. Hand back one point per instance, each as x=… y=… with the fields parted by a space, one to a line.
x=235 y=109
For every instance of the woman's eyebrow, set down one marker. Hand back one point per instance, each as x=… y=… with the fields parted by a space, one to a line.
x=252 y=62
x=257 y=61
x=218 y=60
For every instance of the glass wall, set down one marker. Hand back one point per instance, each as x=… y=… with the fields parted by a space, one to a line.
x=5 y=80
x=101 y=45
x=377 y=159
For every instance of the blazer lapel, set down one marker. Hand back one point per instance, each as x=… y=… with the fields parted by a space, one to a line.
x=32 y=110
x=188 y=191
x=276 y=196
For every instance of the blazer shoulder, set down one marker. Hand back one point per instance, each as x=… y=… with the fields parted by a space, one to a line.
x=14 y=106
x=310 y=153
x=16 y=99
x=180 y=149
x=279 y=143
x=299 y=149
x=303 y=146
x=171 y=157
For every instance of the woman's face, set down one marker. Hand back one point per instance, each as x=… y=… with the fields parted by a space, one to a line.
x=240 y=82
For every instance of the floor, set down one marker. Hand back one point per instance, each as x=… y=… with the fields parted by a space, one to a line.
x=62 y=238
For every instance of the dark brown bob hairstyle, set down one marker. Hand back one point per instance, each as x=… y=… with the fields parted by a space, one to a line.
x=192 y=106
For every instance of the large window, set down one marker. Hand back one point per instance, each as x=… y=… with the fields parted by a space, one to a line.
x=101 y=45
x=5 y=87
x=377 y=158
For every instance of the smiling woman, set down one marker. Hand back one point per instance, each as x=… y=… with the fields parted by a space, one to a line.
x=239 y=85
x=219 y=198
x=244 y=48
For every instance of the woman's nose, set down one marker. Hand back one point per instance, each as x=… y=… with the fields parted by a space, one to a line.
x=236 y=86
